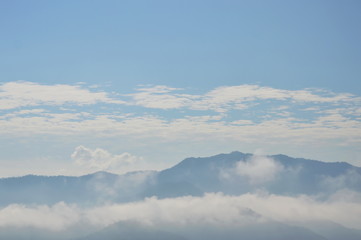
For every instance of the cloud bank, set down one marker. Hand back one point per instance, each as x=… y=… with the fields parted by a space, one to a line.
x=211 y=209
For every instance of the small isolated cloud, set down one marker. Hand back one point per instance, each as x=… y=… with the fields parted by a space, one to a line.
x=257 y=169
x=101 y=160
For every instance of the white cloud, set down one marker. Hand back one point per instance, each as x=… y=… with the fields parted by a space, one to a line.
x=258 y=169
x=243 y=122
x=215 y=209
x=239 y=97
x=273 y=116
x=222 y=99
x=101 y=160
x=212 y=209
x=159 y=97
x=324 y=128
x=21 y=94
x=55 y=218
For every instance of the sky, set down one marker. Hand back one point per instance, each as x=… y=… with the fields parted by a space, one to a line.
x=130 y=85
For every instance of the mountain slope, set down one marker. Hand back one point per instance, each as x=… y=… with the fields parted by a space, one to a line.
x=132 y=231
x=86 y=190
x=261 y=231
x=296 y=175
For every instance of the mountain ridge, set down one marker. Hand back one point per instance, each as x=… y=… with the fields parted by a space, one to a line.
x=181 y=162
x=228 y=173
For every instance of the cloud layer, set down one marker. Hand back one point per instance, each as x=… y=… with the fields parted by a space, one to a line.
x=223 y=99
x=23 y=94
x=297 y=114
x=211 y=209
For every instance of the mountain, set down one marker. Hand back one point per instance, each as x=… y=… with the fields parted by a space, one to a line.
x=228 y=173
x=87 y=190
x=296 y=176
x=27 y=233
x=332 y=231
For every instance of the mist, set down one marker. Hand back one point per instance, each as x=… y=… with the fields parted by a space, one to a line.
x=212 y=209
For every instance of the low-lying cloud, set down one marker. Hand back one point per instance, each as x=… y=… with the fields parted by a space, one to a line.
x=257 y=169
x=212 y=209
x=56 y=218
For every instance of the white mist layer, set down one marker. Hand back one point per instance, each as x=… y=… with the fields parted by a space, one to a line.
x=211 y=209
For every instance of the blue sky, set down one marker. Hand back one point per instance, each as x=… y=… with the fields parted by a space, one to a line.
x=143 y=84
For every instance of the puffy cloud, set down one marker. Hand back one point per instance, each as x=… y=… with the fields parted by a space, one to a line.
x=101 y=160
x=258 y=169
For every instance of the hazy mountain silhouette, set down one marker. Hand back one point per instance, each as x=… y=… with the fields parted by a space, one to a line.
x=333 y=231
x=269 y=231
x=298 y=176
x=132 y=231
x=192 y=176
x=87 y=190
